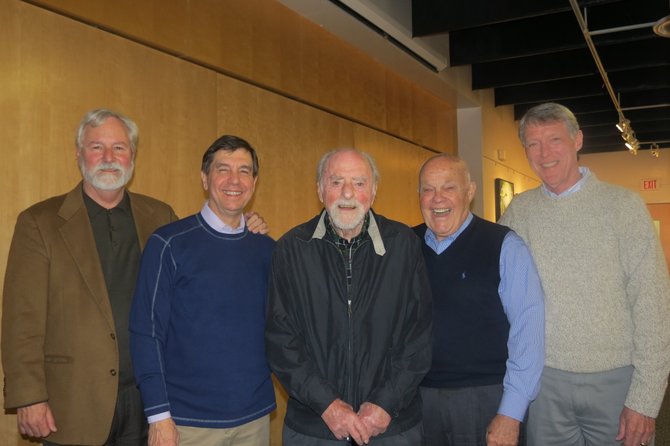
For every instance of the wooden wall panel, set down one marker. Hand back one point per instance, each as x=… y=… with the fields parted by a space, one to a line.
x=264 y=41
x=661 y=212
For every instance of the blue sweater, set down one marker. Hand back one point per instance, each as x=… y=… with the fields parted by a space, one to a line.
x=197 y=324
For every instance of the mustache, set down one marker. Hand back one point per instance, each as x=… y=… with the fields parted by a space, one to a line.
x=348 y=203
x=107 y=166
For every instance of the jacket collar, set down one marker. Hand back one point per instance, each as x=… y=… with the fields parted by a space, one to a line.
x=373 y=231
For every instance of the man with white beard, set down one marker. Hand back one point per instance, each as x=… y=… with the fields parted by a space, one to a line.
x=349 y=316
x=68 y=287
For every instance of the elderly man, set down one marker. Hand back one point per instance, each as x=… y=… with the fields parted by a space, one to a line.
x=488 y=316
x=348 y=327
x=607 y=294
x=68 y=286
x=198 y=315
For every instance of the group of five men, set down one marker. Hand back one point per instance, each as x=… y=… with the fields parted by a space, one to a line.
x=377 y=335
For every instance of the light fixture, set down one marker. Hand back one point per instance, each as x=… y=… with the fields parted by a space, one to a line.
x=654 y=150
x=628 y=134
x=623 y=125
x=662 y=27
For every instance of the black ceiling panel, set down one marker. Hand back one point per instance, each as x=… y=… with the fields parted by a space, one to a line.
x=531 y=52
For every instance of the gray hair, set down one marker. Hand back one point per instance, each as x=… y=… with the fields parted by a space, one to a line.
x=323 y=162
x=98 y=116
x=546 y=113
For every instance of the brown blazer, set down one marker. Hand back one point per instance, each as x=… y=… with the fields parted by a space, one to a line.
x=58 y=336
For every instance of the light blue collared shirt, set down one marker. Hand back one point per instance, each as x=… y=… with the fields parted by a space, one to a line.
x=217 y=224
x=583 y=171
x=522 y=299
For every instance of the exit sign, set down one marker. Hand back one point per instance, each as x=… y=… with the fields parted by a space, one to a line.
x=649 y=184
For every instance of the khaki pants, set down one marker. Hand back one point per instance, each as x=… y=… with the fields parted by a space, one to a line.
x=254 y=433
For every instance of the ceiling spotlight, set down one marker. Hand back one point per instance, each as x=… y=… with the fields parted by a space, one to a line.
x=662 y=27
x=623 y=125
x=654 y=150
x=633 y=146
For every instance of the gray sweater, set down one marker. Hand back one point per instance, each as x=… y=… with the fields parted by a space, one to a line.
x=607 y=291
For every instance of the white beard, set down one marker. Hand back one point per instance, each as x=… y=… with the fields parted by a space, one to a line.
x=107 y=181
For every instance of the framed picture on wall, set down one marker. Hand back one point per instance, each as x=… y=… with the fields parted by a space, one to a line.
x=504 y=191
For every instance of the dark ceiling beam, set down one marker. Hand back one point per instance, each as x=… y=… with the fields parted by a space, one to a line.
x=650 y=114
x=580 y=105
x=646 y=98
x=649 y=53
x=589 y=120
x=521 y=38
x=552 y=91
x=439 y=16
x=644 y=53
x=600 y=141
x=605 y=128
x=637 y=79
x=647 y=137
x=524 y=70
x=625 y=13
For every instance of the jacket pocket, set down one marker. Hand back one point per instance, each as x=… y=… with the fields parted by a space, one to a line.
x=58 y=359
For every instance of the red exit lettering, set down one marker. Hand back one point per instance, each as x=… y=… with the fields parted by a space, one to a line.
x=648 y=184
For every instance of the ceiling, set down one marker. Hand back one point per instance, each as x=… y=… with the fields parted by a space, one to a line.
x=534 y=51
x=527 y=51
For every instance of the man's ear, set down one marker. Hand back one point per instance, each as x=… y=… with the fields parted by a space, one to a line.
x=203 y=177
x=318 y=192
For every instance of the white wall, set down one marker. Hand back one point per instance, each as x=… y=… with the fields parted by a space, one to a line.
x=630 y=171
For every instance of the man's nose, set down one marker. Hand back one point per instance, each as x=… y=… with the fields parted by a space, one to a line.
x=347 y=190
x=108 y=154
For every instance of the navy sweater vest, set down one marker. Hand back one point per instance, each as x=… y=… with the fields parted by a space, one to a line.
x=470 y=328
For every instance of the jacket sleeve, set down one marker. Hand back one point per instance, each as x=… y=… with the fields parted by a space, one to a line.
x=285 y=347
x=149 y=321
x=412 y=354
x=24 y=315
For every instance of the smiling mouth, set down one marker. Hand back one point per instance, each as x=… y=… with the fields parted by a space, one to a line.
x=442 y=211
x=549 y=165
x=232 y=193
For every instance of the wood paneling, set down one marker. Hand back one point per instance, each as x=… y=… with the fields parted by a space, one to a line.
x=264 y=41
x=661 y=212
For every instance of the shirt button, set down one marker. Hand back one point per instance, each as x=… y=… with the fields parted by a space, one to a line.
x=112 y=372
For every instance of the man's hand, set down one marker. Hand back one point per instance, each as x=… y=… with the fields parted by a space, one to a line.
x=343 y=422
x=36 y=420
x=635 y=429
x=163 y=433
x=255 y=223
x=502 y=431
x=374 y=418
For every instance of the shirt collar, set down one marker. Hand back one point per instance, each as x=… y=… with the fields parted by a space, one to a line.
x=372 y=230
x=439 y=246
x=217 y=224
x=583 y=171
x=93 y=208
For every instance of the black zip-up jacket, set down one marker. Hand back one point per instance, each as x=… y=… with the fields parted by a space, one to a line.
x=373 y=345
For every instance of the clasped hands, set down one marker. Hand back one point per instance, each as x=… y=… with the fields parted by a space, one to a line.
x=343 y=422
